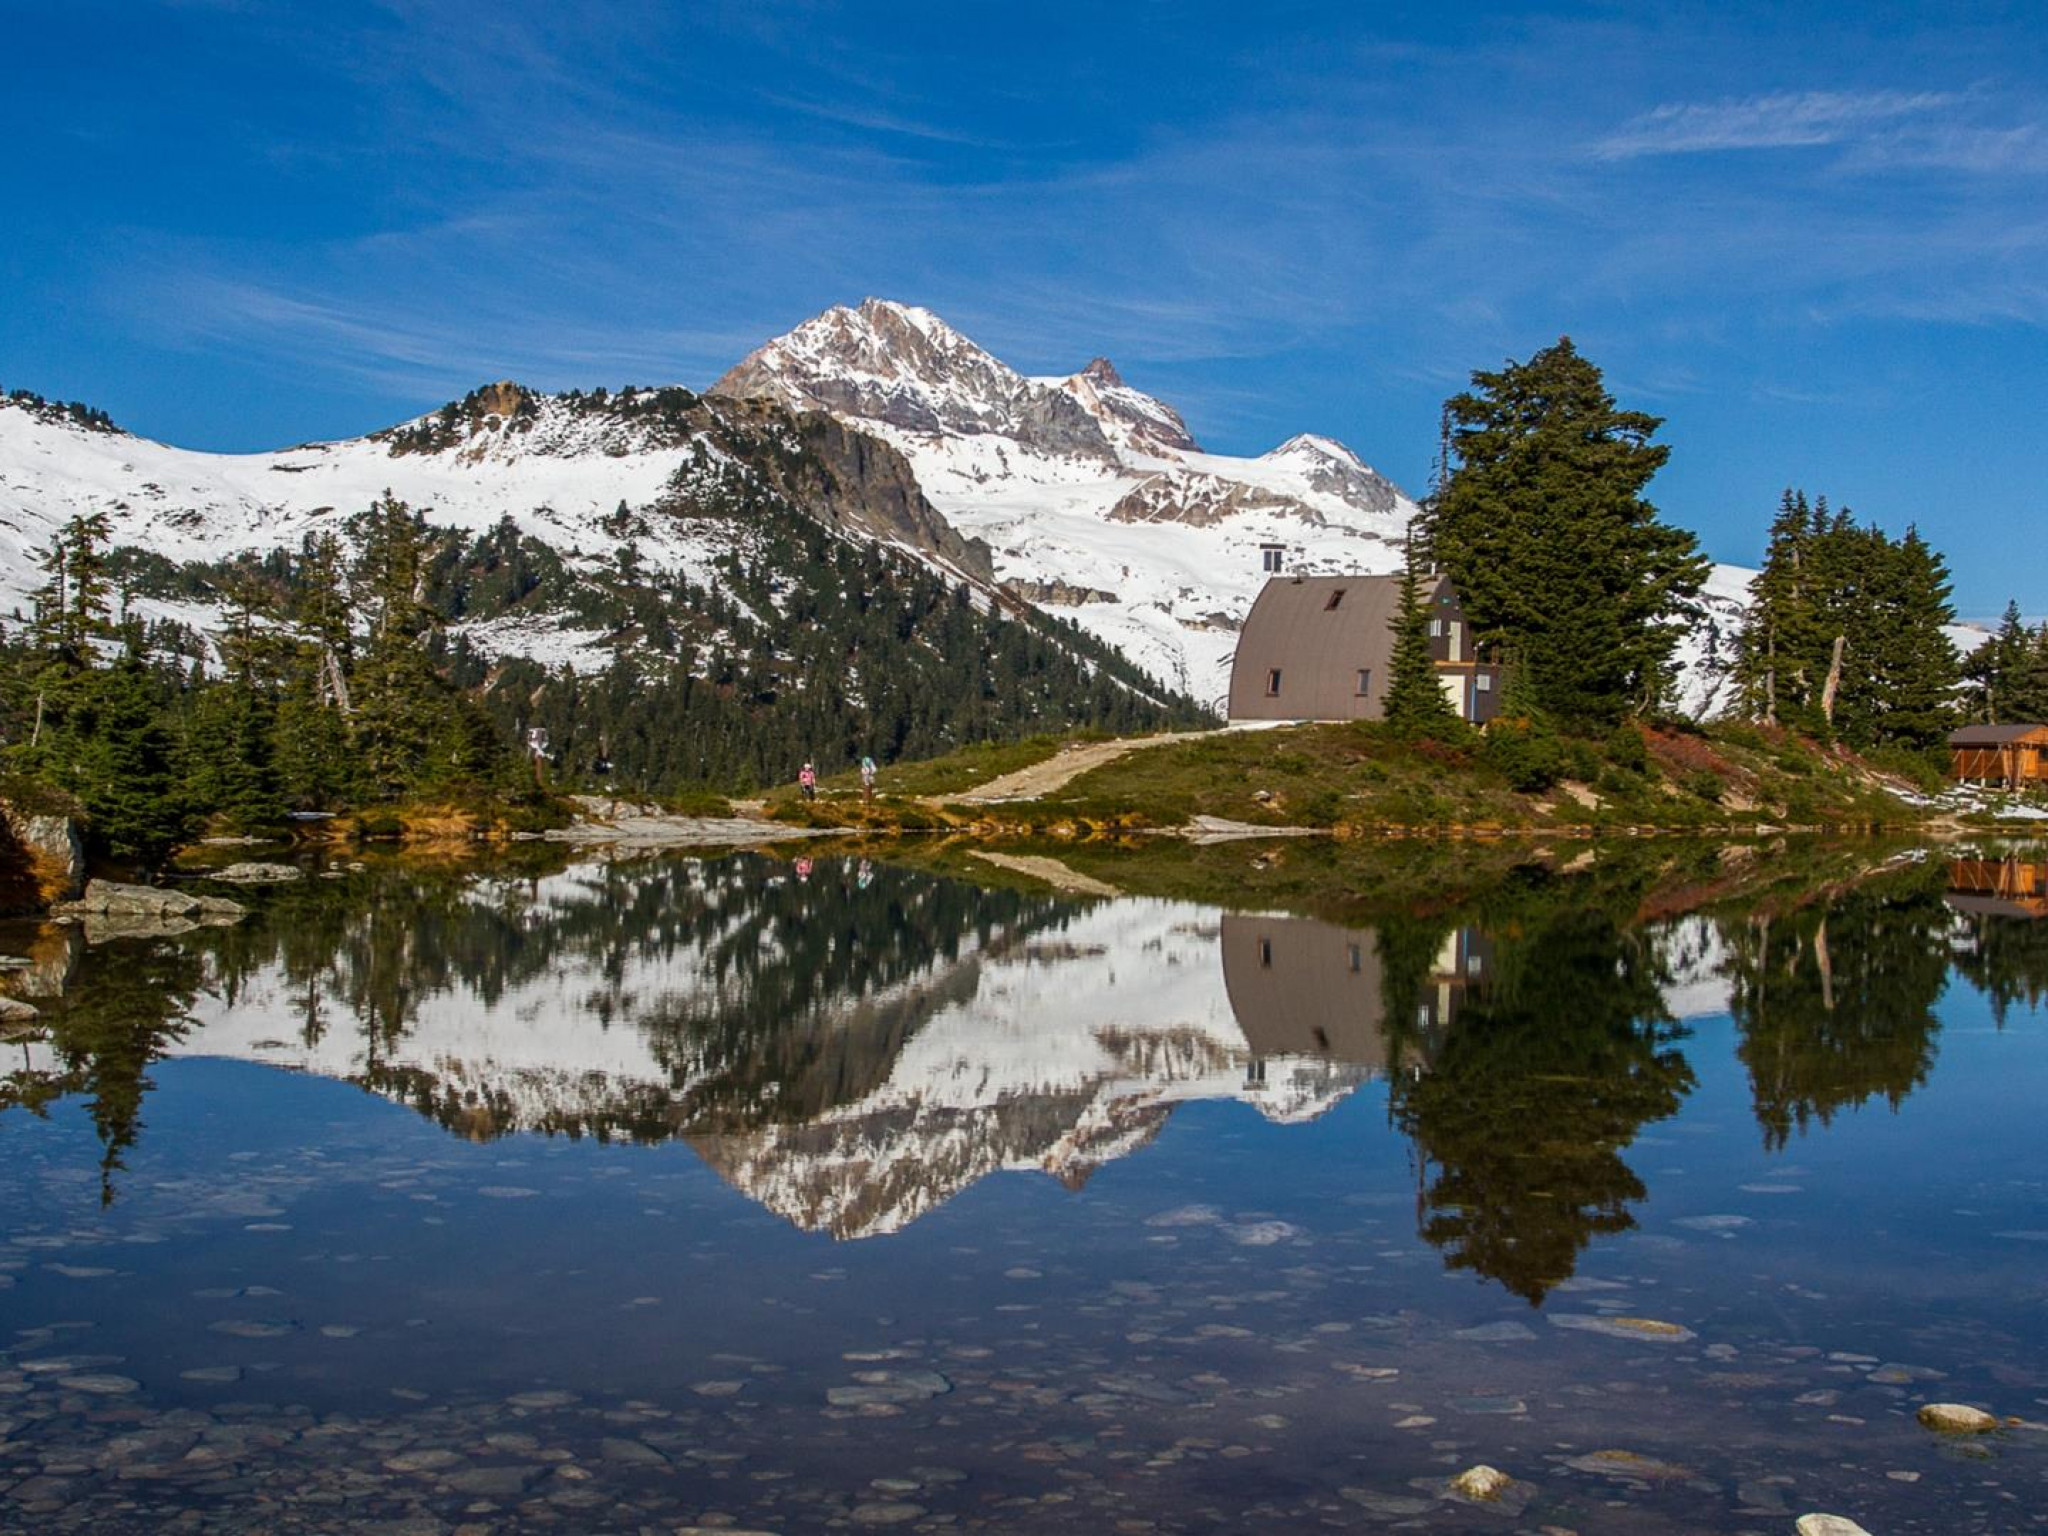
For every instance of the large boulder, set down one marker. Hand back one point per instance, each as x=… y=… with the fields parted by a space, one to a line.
x=111 y=910
x=42 y=855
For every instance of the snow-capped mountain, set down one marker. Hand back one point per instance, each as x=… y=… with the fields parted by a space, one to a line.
x=1078 y=494
x=1091 y=495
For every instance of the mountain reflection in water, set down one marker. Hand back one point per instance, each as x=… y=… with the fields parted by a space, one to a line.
x=856 y=1044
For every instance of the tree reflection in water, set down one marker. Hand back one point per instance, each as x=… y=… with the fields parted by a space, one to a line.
x=1546 y=1074
x=1835 y=999
x=1526 y=1036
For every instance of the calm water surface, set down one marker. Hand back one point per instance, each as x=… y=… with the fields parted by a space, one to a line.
x=748 y=1195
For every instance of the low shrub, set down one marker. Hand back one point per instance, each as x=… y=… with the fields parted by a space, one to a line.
x=1708 y=786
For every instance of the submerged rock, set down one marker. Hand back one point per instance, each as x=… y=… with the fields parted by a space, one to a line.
x=258 y=874
x=1955 y=1419
x=1647 y=1328
x=1481 y=1482
x=1829 y=1525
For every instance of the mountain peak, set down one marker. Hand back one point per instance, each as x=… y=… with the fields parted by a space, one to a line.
x=904 y=367
x=1313 y=445
x=1102 y=371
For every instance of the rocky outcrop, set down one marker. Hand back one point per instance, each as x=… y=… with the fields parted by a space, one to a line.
x=111 y=910
x=859 y=482
x=42 y=854
x=1130 y=417
x=1328 y=466
x=1058 y=594
x=1202 y=500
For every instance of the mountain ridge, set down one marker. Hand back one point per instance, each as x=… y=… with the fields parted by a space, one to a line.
x=1075 y=494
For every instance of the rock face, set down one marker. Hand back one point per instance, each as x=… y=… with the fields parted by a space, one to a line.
x=860 y=483
x=1955 y=1419
x=42 y=858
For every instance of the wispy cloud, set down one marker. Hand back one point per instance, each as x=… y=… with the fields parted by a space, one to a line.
x=1788 y=120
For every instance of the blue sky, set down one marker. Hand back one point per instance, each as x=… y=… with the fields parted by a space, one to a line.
x=1815 y=237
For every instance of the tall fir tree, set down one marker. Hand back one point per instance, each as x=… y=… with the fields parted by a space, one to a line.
x=1847 y=632
x=1558 y=556
x=1416 y=703
x=398 y=699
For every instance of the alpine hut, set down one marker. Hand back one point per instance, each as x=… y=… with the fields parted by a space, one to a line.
x=2015 y=756
x=1322 y=648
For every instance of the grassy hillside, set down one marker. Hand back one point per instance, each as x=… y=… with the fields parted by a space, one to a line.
x=1363 y=779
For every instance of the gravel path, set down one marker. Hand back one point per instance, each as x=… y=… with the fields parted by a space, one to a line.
x=1066 y=765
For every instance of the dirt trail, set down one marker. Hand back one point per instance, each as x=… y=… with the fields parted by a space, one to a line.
x=1066 y=765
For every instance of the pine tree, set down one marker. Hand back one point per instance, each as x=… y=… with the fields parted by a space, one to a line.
x=398 y=698
x=1416 y=705
x=1556 y=554
x=1846 y=636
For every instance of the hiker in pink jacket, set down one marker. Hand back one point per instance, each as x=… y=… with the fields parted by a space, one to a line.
x=807 y=781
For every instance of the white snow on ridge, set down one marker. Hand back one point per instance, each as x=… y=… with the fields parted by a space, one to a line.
x=1095 y=500
x=186 y=505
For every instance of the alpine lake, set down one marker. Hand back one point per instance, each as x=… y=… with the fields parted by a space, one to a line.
x=896 y=1188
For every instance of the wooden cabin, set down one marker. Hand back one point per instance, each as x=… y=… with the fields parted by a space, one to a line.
x=1322 y=648
x=2015 y=756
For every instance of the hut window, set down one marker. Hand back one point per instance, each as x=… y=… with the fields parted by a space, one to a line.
x=1266 y=953
x=1273 y=683
x=1336 y=597
x=1483 y=681
x=1269 y=556
x=1364 y=681
x=1357 y=958
x=1436 y=629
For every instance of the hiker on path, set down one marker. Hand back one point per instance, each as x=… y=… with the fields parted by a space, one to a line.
x=807 y=781
x=867 y=779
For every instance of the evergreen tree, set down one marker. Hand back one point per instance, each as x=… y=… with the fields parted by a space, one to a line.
x=1416 y=705
x=1846 y=636
x=398 y=699
x=2007 y=675
x=1543 y=525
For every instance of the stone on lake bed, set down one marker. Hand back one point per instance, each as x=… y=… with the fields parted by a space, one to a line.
x=630 y=1453
x=217 y=1374
x=1186 y=1216
x=492 y=1482
x=543 y=1399
x=889 y=1387
x=1496 y=1333
x=1649 y=1329
x=1629 y=1465
x=1829 y=1525
x=250 y=1328
x=1955 y=1419
x=430 y=1460
x=100 y=1384
x=1713 y=1223
x=886 y=1514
